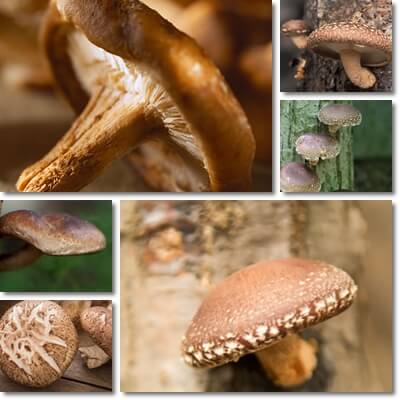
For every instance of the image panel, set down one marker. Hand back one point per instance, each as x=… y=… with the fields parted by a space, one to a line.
x=256 y=296
x=336 y=46
x=336 y=146
x=187 y=109
x=56 y=346
x=55 y=246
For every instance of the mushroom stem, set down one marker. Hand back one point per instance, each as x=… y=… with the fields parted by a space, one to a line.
x=361 y=77
x=19 y=259
x=95 y=140
x=290 y=362
x=333 y=129
x=300 y=41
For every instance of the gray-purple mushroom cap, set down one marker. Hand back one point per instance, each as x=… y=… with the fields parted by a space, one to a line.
x=314 y=146
x=259 y=305
x=337 y=116
x=298 y=178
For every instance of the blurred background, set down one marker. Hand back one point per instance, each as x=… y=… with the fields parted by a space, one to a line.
x=90 y=272
x=236 y=35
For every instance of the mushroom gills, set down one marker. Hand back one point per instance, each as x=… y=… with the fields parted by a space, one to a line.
x=95 y=67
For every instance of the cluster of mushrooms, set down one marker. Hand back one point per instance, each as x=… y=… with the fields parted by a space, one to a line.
x=27 y=235
x=40 y=339
x=251 y=312
x=356 y=44
x=313 y=147
x=177 y=87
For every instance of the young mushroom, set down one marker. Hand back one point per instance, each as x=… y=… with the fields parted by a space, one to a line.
x=260 y=308
x=38 y=342
x=297 y=30
x=338 y=116
x=298 y=178
x=315 y=146
x=356 y=45
x=53 y=234
x=138 y=81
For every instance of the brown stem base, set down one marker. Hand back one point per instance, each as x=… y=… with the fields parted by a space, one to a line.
x=290 y=362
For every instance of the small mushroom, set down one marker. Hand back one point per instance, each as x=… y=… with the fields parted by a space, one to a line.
x=137 y=80
x=338 y=116
x=38 y=342
x=356 y=45
x=314 y=146
x=97 y=322
x=298 y=178
x=53 y=234
x=264 y=306
x=297 y=30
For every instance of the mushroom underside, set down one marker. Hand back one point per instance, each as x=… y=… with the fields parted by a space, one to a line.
x=127 y=108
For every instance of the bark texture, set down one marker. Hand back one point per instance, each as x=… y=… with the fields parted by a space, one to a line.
x=299 y=117
x=323 y=74
x=173 y=253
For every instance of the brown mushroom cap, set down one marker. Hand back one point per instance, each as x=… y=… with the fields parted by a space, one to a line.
x=374 y=46
x=53 y=233
x=340 y=115
x=314 y=146
x=97 y=322
x=295 y=27
x=297 y=178
x=38 y=342
x=187 y=103
x=261 y=304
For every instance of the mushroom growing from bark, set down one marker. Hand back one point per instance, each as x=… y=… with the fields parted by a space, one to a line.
x=338 y=116
x=315 y=146
x=356 y=45
x=53 y=234
x=38 y=342
x=297 y=30
x=139 y=83
x=298 y=178
x=260 y=308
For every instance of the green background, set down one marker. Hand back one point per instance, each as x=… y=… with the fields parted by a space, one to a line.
x=84 y=273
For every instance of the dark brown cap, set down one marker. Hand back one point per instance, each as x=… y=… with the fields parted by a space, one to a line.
x=259 y=305
x=295 y=27
x=53 y=233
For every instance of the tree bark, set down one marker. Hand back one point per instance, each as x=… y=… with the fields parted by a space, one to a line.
x=173 y=253
x=299 y=117
x=324 y=74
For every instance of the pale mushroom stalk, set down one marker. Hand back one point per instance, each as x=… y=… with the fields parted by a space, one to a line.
x=361 y=77
x=96 y=139
x=290 y=362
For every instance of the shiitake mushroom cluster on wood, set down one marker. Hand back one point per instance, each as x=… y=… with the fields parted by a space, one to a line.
x=313 y=147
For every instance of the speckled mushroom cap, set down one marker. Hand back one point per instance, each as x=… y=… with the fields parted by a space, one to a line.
x=53 y=233
x=297 y=178
x=38 y=342
x=97 y=322
x=374 y=46
x=259 y=305
x=136 y=54
x=295 y=27
x=315 y=146
x=340 y=115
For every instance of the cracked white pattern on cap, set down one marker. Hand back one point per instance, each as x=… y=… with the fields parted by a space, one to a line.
x=278 y=307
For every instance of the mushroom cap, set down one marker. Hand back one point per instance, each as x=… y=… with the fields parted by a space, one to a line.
x=340 y=115
x=97 y=322
x=295 y=27
x=374 y=46
x=315 y=146
x=297 y=178
x=38 y=342
x=53 y=233
x=162 y=65
x=261 y=304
